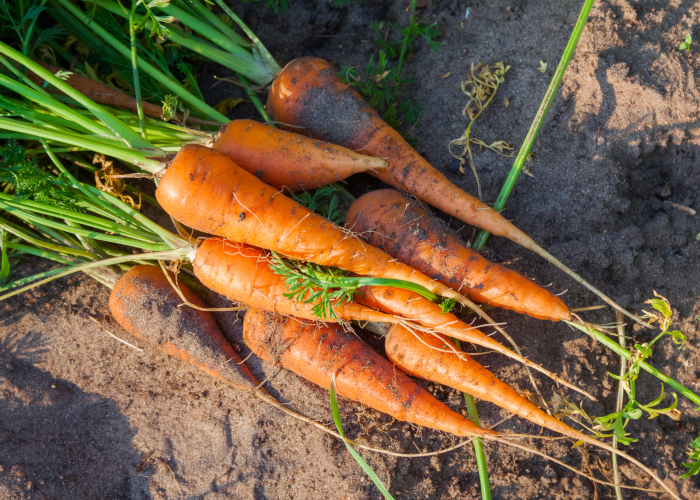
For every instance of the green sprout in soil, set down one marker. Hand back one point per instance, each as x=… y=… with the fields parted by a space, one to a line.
x=480 y=86
x=685 y=45
x=694 y=464
x=382 y=86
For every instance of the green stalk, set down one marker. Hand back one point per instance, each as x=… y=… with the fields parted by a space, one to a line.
x=404 y=45
x=618 y=403
x=624 y=353
x=206 y=15
x=539 y=119
x=126 y=134
x=479 y=453
x=136 y=157
x=135 y=68
x=171 y=85
x=204 y=29
x=17 y=231
x=240 y=61
x=66 y=271
x=263 y=53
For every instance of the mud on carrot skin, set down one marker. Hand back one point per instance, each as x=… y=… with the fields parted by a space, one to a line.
x=398 y=224
x=309 y=96
x=318 y=351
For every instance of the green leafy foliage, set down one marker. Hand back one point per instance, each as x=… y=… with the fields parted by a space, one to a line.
x=323 y=201
x=30 y=182
x=382 y=85
x=19 y=17
x=310 y=283
x=358 y=458
x=685 y=45
x=447 y=305
x=694 y=464
x=633 y=409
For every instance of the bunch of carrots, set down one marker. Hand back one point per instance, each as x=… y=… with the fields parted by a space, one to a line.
x=304 y=280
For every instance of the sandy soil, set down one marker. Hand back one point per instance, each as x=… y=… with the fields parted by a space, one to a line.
x=84 y=416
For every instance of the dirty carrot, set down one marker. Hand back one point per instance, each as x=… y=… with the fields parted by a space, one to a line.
x=284 y=159
x=414 y=308
x=435 y=358
x=309 y=96
x=206 y=191
x=242 y=273
x=318 y=351
x=145 y=304
x=406 y=230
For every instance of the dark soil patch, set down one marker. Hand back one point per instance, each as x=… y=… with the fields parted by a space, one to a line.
x=625 y=123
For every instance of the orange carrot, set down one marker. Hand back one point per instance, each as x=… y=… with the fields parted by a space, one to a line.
x=399 y=225
x=318 y=351
x=285 y=159
x=242 y=273
x=309 y=95
x=145 y=304
x=434 y=357
x=206 y=191
x=411 y=306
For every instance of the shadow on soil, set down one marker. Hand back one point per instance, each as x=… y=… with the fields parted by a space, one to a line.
x=57 y=440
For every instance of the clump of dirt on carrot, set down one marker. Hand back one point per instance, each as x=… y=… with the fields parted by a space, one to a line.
x=145 y=304
x=399 y=225
x=318 y=352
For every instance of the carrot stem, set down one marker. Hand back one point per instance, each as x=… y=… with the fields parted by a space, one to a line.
x=618 y=404
x=135 y=68
x=194 y=102
x=624 y=353
x=479 y=453
x=539 y=119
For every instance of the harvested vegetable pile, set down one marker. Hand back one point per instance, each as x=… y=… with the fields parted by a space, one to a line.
x=366 y=299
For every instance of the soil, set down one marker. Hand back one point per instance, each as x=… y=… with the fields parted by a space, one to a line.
x=84 y=416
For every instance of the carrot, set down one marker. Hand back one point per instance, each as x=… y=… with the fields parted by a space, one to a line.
x=104 y=94
x=309 y=95
x=318 y=352
x=285 y=159
x=399 y=225
x=145 y=304
x=411 y=306
x=98 y=92
x=435 y=358
x=206 y=191
x=242 y=273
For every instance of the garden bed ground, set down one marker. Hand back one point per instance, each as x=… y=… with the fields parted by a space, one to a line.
x=84 y=416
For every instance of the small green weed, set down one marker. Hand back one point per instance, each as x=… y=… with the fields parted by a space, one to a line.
x=694 y=465
x=382 y=85
x=685 y=45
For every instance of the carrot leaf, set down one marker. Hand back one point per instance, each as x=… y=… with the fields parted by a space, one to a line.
x=358 y=458
x=694 y=465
